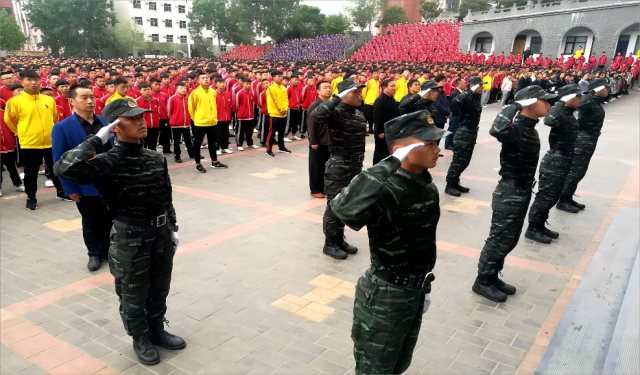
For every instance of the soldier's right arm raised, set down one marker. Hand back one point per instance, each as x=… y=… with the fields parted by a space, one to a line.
x=79 y=165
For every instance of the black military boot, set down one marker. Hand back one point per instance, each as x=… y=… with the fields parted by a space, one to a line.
x=343 y=245
x=452 y=189
x=461 y=188
x=485 y=285
x=504 y=287
x=549 y=233
x=566 y=205
x=332 y=249
x=535 y=232
x=146 y=352
x=579 y=206
x=166 y=340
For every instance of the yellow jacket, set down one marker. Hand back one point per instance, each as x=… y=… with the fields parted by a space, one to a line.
x=202 y=107
x=31 y=117
x=579 y=53
x=401 y=89
x=371 y=91
x=116 y=96
x=279 y=93
x=488 y=80
x=334 y=85
x=421 y=79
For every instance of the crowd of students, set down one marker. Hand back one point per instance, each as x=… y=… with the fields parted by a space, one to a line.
x=322 y=48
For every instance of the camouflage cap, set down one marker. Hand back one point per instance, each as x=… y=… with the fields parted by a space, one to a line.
x=347 y=84
x=428 y=85
x=597 y=83
x=418 y=124
x=122 y=108
x=569 y=89
x=534 y=92
x=475 y=80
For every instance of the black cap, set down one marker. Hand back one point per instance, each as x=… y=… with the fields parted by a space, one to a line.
x=347 y=84
x=597 y=83
x=475 y=80
x=534 y=92
x=569 y=89
x=428 y=85
x=122 y=108
x=418 y=124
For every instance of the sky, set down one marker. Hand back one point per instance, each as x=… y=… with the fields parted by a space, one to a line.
x=328 y=6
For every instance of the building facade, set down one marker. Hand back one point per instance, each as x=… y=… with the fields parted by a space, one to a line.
x=555 y=28
x=34 y=36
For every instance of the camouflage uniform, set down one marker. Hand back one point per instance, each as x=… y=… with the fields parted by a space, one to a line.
x=469 y=109
x=134 y=183
x=413 y=103
x=401 y=211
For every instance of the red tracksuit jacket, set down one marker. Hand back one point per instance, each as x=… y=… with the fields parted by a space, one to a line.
x=244 y=105
x=66 y=107
x=178 y=111
x=223 y=106
x=153 y=118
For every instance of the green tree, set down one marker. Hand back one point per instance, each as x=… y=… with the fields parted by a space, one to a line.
x=271 y=18
x=306 y=22
x=79 y=28
x=12 y=38
x=336 y=24
x=226 y=19
x=502 y=4
x=365 y=12
x=128 y=35
x=473 y=5
x=430 y=10
x=394 y=15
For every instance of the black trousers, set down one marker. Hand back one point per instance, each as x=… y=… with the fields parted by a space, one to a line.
x=165 y=136
x=179 y=133
x=9 y=161
x=151 y=141
x=96 y=225
x=293 y=121
x=265 y=125
x=441 y=126
x=368 y=114
x=303 y=123
x=198 y=136
x=245 y=130
x=317 y=160
x=32 y=160
x=222 y=134
x=381 y=150
x=276 y=124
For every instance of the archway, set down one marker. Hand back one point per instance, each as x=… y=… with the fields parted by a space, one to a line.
x=527 y=38
x=483 y=41
x=629 y=40
x=575 y=38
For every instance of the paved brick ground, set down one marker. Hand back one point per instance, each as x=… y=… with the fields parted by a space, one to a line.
x=253 y=293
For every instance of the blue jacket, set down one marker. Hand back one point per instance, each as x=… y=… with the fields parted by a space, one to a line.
x=442 y=104
x=66 y=135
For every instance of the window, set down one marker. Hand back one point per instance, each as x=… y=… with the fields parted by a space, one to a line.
x=137 y=4
x=155 y=37
x=573 y=42
x=483 y=44
x=153 y=21
x=182 y=9
x=169 y=38
x=152 y=5
x=168 y=23
x=167 y=7
x=183 y=39
x=210 y=41
x=536 y=44
x=223 y=48
x=138 y=20
x=183 y=24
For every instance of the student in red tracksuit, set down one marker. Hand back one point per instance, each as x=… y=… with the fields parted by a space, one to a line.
x=165 y=128
x=295 y=111
x=179 y=119
x=244 y=111
x=308 y=95
x=100 y=89
x=62 y=85
x=223 y=108
x=152 y=118
x=265 y=120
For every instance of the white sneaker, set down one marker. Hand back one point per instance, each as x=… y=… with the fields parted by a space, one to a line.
x=255 y=130
x=286 y=140
x=0 y=193
x=20 y=188
x=227 y=151
x=254 y=146
x=41 y=172
x=22 y=176
x=48 y=183
x=296 y=138
x=218 y=152
x=159 y=146
x=240 y=149
x=205 y=146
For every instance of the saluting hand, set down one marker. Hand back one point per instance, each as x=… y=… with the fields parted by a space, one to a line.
x=105 y=133
x=402 y=152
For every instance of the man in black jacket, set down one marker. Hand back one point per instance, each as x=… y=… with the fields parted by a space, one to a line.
x=385 y=108
x=441 y=104
x=526 y=54
x=318 y=143
x=454 y=121
x=524 y=81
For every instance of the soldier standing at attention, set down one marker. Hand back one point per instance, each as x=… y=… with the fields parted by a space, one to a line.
x=518 y=163
x=399 y=203
x=134 y=183
x=466 y=106
x=347 y=131
x=590 y=118
x=554 y=166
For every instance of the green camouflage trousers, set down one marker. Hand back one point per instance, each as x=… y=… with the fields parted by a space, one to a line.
x=338 y=174
x=386 y=323
x=141 y=260
x=585 y=146
x=553 y=171
x=463 y=144
x=509 y=205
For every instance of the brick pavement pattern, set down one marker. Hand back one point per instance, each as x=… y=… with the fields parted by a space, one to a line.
x=253 y=293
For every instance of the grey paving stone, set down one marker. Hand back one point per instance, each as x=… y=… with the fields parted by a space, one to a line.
x=501 y=358
x=15 y=362
x=256 y=365
x=94 y=349
x=73 y=337
x=117 y=361
x=187 y=363
x=33 y=370
x=474 y=360
x=299 y=355
x=224 y=366
x=5 y=350
x=503 y=369
x=467 y=368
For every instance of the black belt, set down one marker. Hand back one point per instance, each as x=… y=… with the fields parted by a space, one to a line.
x=408 y=281
x=349 y=157
x=157 y=221
x=519 y=183
x=559 y=152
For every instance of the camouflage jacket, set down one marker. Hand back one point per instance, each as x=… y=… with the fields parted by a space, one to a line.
x=466 y=106
x=564 y=127
x=401 y=212
x=347 y=126
x=412 y=103
x=520 y=144
x=133 y=181
x=591 y=114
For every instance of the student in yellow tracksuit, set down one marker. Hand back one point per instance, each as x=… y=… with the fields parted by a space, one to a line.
x=277 y=105
x=335 y=81
x=401 y=86
x=31 y=116
x=204 y=113
x=122 y=87
x=370 y=93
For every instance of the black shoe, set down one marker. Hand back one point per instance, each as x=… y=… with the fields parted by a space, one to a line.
x=167 y=340
x=370 y=131
x=303 y=136
x=270 y=153
x=285 y=150
x=461 y=188
x=441 y=155
x=177 y=159
x=94 y=263
x=579 y=206
x=343 y=245
x=146 y=352
x=32 y=203
x=200 y=168
x=263 y=145
x=537 y=235
x=488 y=290
x=217 y=164
x=451 y=190
x=549 y=233
x=565 y=205
x=504 y=287
x=64 y=198
x=332 y=249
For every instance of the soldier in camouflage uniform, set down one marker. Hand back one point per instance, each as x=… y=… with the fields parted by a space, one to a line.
x=134 y=183
x=398 y=202
x=590 y=118
x=466 y=106
x=555 y=163
x=518 y=163
x=421 y=101
x=347 y=131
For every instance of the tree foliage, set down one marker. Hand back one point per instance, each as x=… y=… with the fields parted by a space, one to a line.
x=128 y=35
x=473 y=5
x=394 y=15
x=430 y=10
x=307 y=22
x=73 y=27
x=336 y=24
x=502 y=4
x=271 y=18
x=11 y=37
x=364 y=12
x=226 y=20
